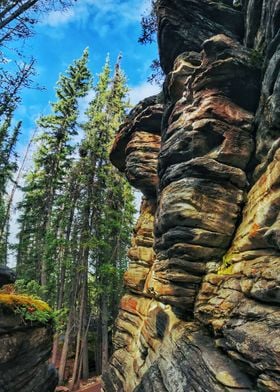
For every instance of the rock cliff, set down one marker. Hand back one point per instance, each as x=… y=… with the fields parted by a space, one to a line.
x=24 y=353
x=201 y=309
x=26 y=336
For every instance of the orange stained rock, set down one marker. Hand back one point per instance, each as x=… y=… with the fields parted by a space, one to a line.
x=254 y=230
x=128 y=303
x=259 y=216
x=214 y=105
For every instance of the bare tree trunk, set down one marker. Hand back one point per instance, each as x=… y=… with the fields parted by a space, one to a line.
x=69 y=327
x=98 y=356
x=63 y=253
x=104 y=332
x=14 y=188
x=65 y=348
x=55 y=349
x=85 y=367
x=21 y=9
x=76 y=376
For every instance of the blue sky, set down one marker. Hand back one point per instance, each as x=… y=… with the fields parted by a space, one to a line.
x=105 y=26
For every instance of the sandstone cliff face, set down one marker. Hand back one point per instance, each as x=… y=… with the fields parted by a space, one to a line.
x=201 y=312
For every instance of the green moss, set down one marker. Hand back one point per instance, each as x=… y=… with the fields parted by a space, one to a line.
x=227 y=260
x=257 y=57
x=226 y=271
x=226 y=265
x=27 y=307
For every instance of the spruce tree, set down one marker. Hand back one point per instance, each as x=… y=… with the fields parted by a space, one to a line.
x=77 y=214
x=105 y=211
x=52 y=161
x=8 y=166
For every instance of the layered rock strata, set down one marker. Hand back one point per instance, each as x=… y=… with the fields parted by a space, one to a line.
x=201 y=312
x=24 y=355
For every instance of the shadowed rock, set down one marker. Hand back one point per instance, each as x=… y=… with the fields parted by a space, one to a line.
x=24 y=353
x=7 y=276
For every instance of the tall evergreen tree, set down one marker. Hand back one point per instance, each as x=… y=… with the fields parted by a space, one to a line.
x=77 y=215
x=52 y=162
x=105 y=211
x=8 y=165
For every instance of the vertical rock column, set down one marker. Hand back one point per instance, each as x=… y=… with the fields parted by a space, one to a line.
x=207 y=316
x=139 y=326
x=241 y=303
x=206 y=146
x=135 y=152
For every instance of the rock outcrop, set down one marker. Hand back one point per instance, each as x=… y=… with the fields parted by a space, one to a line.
x=25 y=346
x=7 y=276
x=201 y=311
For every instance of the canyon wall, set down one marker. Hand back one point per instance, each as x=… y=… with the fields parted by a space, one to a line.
x=201 y=309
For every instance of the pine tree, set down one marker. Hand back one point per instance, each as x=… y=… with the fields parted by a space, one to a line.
x=51 y=164
x=77 y=215
x=8 y=166
x=105 y=211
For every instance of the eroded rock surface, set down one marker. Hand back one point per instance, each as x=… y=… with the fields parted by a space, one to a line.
x=137 y=145
x=24 y=356
x=201 y=312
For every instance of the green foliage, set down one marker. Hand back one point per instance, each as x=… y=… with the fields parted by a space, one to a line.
x=31 y=287
x=78 y=210
x=226 y=265
x=8 y=166
x=22 y=302
x=29 y=313
x=60 y=320
x=44 y=203
x=149 y=25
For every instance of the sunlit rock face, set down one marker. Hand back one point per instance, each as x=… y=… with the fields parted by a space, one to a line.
x=241 y=304
x=201 y=309
x=137 y=145
x=201 y=170
x=141 y=253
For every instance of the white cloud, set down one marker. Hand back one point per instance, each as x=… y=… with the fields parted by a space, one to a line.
x=56 y=18
x=99 y=12
x=142 y=91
